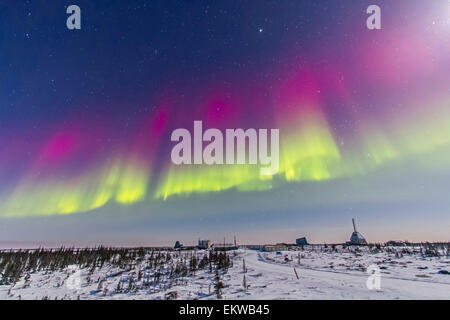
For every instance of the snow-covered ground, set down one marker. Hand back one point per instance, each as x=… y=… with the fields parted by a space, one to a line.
x=322 y=274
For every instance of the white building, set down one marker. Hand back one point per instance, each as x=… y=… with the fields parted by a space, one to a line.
x=204 y=244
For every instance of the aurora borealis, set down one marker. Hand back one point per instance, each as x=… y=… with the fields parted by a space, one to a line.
x=86 y=116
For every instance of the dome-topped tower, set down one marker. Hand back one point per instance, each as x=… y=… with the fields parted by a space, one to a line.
x=357 y=238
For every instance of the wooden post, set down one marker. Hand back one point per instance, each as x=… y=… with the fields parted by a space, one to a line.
x=296 y=273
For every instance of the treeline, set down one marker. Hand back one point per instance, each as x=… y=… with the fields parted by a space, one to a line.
x=15 y=263
x=135 y=268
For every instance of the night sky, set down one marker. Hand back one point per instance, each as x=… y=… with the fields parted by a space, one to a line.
x=86 y=117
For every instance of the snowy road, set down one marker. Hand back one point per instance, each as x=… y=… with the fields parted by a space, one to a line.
x=276 y=281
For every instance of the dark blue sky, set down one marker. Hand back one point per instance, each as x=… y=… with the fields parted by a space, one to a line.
x=86 y=117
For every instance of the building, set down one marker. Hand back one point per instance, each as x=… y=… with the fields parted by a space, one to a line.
x=204 y=244
x=356 y=237
x=301 y=241
x=178 y=245
x=274 y=247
